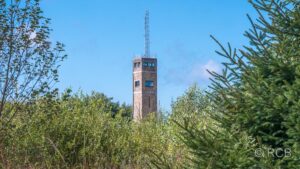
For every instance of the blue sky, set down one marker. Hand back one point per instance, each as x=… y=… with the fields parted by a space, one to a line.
x=103 y=36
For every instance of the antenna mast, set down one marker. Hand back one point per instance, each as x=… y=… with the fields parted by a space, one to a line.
x=147 y=35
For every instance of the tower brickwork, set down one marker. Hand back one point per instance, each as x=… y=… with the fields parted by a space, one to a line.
x=144 y=87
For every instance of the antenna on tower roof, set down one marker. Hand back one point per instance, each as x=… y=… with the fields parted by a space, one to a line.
x=147 y=35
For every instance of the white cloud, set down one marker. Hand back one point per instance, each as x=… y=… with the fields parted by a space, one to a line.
x=185 y=66
x=199 y=71
x=195 y=73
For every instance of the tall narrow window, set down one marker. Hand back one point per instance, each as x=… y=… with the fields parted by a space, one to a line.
x=137 y=83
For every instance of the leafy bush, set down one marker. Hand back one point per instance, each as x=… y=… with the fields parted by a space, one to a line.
x=86 y=131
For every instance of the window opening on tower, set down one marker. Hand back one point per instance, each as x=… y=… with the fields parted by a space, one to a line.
x=149 y=83
x=137 y=83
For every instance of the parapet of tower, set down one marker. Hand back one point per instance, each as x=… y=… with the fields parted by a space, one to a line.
x=144 y=80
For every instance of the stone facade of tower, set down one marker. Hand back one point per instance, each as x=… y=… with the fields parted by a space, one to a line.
x=144 y=87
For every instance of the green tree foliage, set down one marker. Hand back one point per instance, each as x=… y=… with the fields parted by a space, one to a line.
x=190 y=105
x=78 y=130
x=28 y=60
x=155 y=141
x=253 y=104
x=189 y=110
x=207 y=143
x=258 y=91
x=69 y=130
x=255 y=100
x=219 y=148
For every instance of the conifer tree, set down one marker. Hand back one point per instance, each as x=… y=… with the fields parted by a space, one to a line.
x=256 y=96
x=258 y=91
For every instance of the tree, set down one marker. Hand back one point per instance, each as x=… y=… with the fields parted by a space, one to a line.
x=258 y=91
x=28 y=61
x=190 y=106
x=190 y=121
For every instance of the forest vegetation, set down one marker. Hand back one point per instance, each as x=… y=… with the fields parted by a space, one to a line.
x=253 y=104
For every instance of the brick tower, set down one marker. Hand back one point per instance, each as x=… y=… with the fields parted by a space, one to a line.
x=144 y=80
